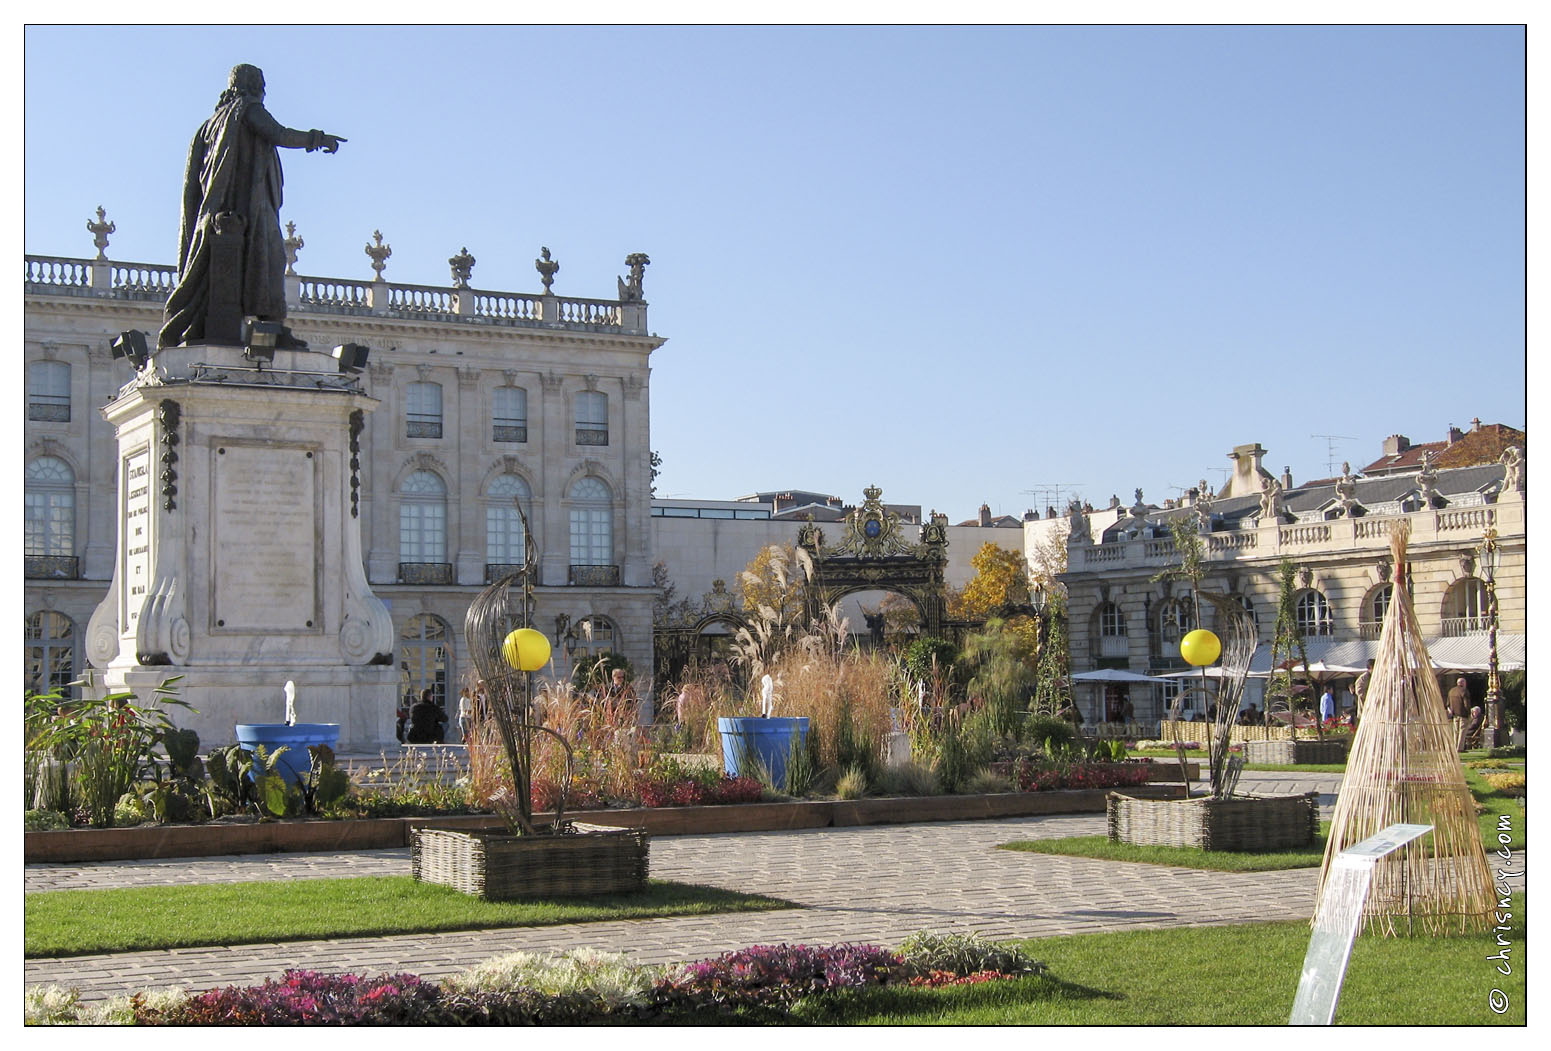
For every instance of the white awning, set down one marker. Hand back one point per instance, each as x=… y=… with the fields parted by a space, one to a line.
x=1114 y=675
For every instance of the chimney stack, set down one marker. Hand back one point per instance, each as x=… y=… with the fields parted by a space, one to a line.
x=1396 y=444
x=985 y=515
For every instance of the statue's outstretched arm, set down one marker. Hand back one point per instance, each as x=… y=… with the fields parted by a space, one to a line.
x=260 y=121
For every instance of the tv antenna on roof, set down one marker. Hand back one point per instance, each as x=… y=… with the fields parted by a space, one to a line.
x=1049 y=494
x=1330 y=450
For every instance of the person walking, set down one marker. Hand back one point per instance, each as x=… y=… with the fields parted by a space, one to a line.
x=465 y=714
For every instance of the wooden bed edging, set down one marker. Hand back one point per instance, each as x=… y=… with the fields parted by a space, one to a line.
x=65 y=846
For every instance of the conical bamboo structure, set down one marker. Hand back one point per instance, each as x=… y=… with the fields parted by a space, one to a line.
x=1403 y=767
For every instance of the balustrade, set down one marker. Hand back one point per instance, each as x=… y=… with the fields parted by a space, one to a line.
x=1304 y=534
x=1104 y=553
x=1373 y=528
x=322 y=293
x=334 y=295
x=420 y=300
x=1239 y=541
x=505 y=306
x=1472 y=518
x=144 y=280
x=71 y=273
x=1454 y=627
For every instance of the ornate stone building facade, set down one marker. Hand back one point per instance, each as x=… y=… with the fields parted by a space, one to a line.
x=1336 y=532
x=485 y=398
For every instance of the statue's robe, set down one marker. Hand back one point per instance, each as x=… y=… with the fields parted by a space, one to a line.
x=233 y=168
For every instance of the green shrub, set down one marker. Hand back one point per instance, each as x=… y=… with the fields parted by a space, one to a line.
x=44 y=820
x=1051 y=735
x=928 y=656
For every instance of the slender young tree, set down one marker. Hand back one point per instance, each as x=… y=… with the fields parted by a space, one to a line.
x=1287 y=643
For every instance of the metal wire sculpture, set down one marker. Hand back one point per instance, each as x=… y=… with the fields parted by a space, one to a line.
x=1236 y=632
x=499 y=609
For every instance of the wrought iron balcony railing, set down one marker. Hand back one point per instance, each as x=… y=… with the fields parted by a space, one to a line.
x=592 y=436
x=48 y=411
x=511 y=432
x=496 y=570
x=53 y=567
x=425 y=573
x=595 y=576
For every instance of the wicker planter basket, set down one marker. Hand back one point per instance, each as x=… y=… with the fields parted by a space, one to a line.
x=1283 y=753
x=498 y=866
x=1239 y=823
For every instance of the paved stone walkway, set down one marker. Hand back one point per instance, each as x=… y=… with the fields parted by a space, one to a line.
x=875 y=884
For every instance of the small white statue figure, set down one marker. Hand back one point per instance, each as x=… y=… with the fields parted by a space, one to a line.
x=766 y=696
x=290 y=703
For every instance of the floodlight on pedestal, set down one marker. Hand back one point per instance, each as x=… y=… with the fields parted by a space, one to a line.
x=259 y=339
x=351 y=357
x=131 y=345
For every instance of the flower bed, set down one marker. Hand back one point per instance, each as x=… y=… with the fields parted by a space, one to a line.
x=1041 y=778
x=577 y=987
x=692 y=791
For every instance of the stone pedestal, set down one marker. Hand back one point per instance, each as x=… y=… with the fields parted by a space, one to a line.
x=239 y=546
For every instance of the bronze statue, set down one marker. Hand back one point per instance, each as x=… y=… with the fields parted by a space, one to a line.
x=231 y=256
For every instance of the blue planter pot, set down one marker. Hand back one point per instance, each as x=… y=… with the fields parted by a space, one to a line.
x=769 y=739
x=295 y=763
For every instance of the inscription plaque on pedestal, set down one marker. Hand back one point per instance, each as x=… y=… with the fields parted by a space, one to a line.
x=137 y=533
x=265 y=548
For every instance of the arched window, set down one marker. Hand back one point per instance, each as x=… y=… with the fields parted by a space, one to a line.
x=1176 y=617
x=422 y=521
x=592 y=418
x=48 y=391
x=504 y=541
x=423 y=410
x=509 y=414
x=49 y=518
x=1249 y=611
x=1374 y=608
x=425 y=658
x=50 y=652
x=1465 y=608
x=591 y=638
x=1112 y=640
x=1312 y=614
x=592 y=529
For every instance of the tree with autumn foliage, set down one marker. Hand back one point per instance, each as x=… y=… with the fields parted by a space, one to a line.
x=1001 y=580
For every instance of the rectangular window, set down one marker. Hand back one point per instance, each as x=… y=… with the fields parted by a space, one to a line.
x=423 y=410
x=592 y=418
x=592 y=537
x=509 y=415
x=48 y=391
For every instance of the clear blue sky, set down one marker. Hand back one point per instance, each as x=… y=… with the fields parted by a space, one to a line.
x=956 y=263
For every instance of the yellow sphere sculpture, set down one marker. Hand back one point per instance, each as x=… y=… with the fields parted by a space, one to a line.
x=526 y=649
x=1200 y=647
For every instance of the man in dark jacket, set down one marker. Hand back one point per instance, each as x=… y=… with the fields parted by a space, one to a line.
x=426 y=720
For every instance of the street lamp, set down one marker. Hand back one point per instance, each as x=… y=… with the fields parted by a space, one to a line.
x=1490 y=558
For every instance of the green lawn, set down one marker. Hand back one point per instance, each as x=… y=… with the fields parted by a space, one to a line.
x=1243 y=975
x=77 y=922
x=1178 y=857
